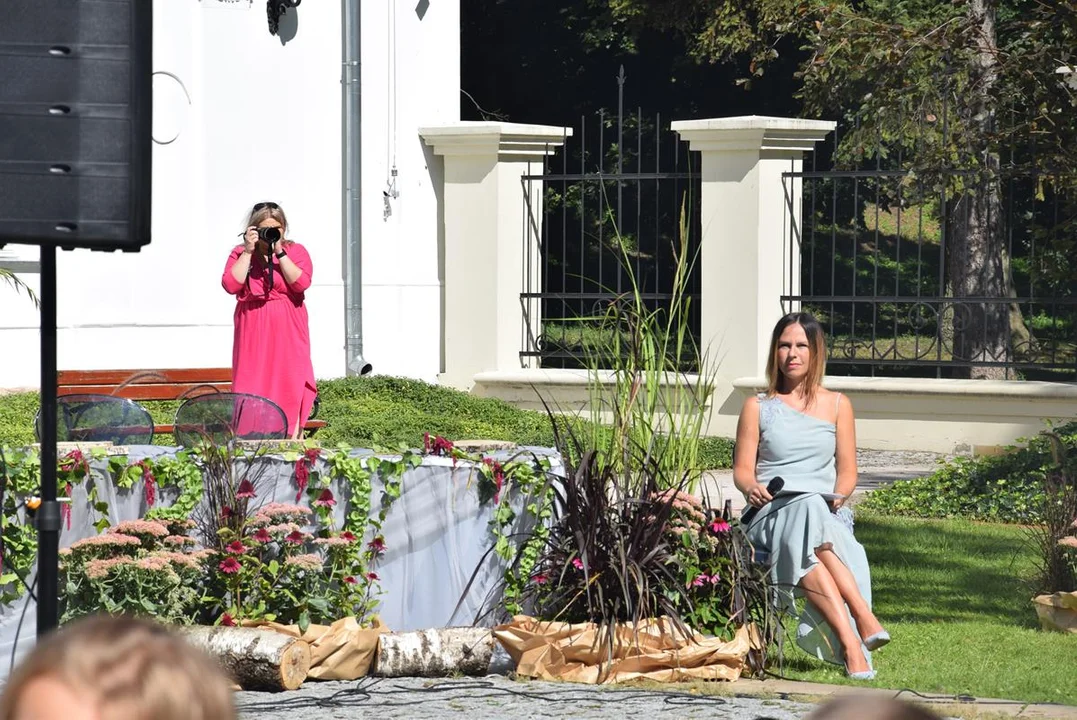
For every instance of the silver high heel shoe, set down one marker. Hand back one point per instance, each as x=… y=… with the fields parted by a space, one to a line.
x=876 y=641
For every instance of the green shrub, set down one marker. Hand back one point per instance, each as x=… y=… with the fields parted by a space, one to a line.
x=17 y=414
x=1000 y=488
x=380 y=411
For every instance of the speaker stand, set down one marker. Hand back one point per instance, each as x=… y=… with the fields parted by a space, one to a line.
x=48 y=515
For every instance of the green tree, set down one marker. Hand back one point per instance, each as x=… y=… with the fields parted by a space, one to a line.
x=940 y=85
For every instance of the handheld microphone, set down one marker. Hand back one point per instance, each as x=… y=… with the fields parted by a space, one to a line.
x=773 y=487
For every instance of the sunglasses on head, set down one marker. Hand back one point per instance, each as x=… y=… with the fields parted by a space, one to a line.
x=270 y=205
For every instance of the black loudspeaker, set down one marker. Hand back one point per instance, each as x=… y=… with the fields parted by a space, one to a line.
x=76 y=99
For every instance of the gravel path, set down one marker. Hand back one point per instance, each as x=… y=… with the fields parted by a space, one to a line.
x=499 y=697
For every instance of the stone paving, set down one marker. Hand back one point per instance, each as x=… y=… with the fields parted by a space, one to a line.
x=500 y=697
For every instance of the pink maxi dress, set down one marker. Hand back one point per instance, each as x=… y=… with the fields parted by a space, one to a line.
x=271 y=345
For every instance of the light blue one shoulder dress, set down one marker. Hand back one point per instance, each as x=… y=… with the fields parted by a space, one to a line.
x=800 y=449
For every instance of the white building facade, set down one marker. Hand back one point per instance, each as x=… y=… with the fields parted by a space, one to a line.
x=242 y=116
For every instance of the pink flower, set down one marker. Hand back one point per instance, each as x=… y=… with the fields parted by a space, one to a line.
x=262 y=535
x=372 y=576
x=227 y=512
x=245 y=490
x=577 y=563
x=350 y=580
x=719 y=526
x=229 y=566
x=310 y=561
x=540 y=579
x=295 y=537
x=325 y=499
x=377 y=545
x=227 y=620
x=348 y=535
x=236 y=548
x=702 y=579
x=1069 y=541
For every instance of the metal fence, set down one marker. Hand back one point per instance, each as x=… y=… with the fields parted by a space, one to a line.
x=610 y=221
x=883 y=253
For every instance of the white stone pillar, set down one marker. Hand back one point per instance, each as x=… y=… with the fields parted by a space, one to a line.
x=485 y=213
x=750 y=231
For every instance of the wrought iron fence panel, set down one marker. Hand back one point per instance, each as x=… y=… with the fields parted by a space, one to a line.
x=602 y=227
x=873 y=262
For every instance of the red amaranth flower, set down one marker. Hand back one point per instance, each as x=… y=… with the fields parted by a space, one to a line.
x=438 y=446
x=65 y=508
x=311 y=455
x=325 y=499
x=302 y=476
x=245 y=490
x=149 y=481
x=498 y=472
x=229 y=565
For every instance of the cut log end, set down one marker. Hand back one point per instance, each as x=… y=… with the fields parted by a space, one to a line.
x=256 y=659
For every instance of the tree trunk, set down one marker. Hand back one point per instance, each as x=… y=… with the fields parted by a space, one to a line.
x=256 y=659
x=441 y=652
x=978 y=257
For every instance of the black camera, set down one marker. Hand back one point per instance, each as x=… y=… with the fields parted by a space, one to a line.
x=269 y=235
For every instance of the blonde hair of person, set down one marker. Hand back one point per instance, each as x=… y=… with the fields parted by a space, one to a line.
x=131 y=669
x=265 y=210
x=816 y=365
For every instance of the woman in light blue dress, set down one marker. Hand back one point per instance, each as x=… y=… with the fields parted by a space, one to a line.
x=803 y=433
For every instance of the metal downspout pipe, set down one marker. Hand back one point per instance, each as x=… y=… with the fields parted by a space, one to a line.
x=353 y=229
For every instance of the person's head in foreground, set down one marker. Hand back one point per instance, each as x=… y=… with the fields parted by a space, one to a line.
x=116 y=668
x=863 y=707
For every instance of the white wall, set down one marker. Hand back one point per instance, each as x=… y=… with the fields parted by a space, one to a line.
x=413 y=85
x=263 y=123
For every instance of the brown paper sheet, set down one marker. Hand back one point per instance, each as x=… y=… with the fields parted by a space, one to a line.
x=656 y=651
x=341 y=651
x=1057 y=612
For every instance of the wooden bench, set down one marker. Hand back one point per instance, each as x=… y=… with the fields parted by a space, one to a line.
x=171 y=384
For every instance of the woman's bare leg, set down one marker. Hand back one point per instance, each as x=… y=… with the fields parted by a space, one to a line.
x=822 y=591
x=866 y=622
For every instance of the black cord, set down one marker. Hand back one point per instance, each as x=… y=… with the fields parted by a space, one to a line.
x=366 y=690
x=18 y=629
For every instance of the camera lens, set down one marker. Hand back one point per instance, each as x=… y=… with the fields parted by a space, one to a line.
x=269 y=234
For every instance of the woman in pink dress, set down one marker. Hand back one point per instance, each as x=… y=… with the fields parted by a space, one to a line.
x=268 y=274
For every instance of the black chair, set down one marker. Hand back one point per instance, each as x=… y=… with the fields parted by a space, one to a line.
x=219 y=418
x=100 y=418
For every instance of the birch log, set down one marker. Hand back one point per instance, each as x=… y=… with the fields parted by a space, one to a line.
x=439 y=652
x=256 y=659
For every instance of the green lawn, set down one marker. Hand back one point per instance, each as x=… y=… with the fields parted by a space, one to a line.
x=381 y=412
x=955 y=597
